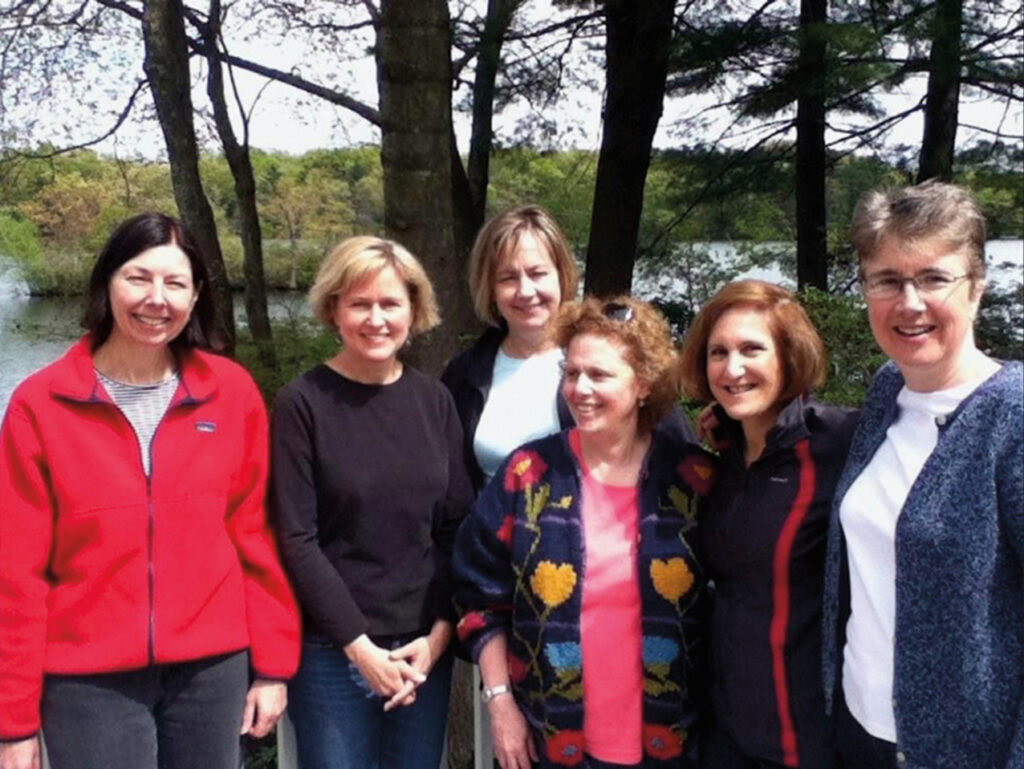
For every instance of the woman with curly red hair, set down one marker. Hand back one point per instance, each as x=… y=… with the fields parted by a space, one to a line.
x=575 y=578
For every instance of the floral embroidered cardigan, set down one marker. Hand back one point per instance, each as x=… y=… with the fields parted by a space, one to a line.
x=518 y=569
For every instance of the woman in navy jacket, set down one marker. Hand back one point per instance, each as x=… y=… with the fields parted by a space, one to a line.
x=763 y=529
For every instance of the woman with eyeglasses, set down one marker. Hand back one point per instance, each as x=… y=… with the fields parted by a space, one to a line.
x=754 y=352
x=924 y=602
x=575 y=577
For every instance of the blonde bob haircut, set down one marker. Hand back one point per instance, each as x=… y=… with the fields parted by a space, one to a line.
x=804 y=362
x=646 y=337
x=361 y=257
x=500 y=236
x=931 y=210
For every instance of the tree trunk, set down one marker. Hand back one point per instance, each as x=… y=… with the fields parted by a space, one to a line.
x=414 y=77
x=499 y=17
x=811 y=216
x=293 y=273
x=637 y=40
x=465 y=220
x=240 y=163
x=166 y=65
x=942 y=101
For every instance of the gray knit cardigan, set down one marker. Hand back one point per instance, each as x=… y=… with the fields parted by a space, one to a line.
x=958 y=692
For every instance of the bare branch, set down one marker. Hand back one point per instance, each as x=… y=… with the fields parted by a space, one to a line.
x=117 y=124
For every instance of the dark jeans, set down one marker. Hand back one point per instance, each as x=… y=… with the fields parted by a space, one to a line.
x=180 y=716
x=341 y=724
x=858 y=749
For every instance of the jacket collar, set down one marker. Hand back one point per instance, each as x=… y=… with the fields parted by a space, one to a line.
x=75 y=376
x=789 y=429
x=484 y=351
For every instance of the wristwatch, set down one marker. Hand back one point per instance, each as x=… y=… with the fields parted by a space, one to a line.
x=490 y=692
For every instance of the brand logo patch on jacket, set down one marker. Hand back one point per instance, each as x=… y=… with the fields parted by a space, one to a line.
x=206 y=427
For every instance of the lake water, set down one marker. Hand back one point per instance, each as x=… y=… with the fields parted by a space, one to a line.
x=35 y=331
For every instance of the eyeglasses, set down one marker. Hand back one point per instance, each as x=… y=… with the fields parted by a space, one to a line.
x=617 y=311
x=887 y=286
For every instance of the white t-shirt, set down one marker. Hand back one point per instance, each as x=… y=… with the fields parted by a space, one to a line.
x=868 y=514
x=521 y=406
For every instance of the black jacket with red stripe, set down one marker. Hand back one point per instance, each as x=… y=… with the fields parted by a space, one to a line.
x=762 y=542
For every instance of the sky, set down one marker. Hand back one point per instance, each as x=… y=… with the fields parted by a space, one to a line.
x=282 y=119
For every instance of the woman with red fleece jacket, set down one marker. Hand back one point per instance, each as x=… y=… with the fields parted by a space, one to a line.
x=145 y=616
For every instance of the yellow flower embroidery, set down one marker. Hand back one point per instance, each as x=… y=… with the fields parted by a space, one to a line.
x=672 y=578
x=554 y=584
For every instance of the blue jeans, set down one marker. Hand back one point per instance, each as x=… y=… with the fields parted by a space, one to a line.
x=181 y=716
x=341 y=724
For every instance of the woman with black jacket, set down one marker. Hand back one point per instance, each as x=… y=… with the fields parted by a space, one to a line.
x=506 y=385
x=763 y=529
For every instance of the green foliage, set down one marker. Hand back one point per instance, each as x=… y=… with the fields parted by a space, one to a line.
x=562 y=182
x=48 y=273
x=999 y=330
x=853 y=355
x=19 y=236
x=299 y=342
x=259 y=754
x=57 y=213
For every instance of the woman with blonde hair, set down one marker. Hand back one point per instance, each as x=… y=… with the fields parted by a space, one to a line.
x=754 y=352
x=368 y=489
x=506 y=385
x=575 y=576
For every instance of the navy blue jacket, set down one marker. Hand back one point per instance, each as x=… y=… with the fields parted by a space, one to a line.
x=468 y=377
x=762 y=543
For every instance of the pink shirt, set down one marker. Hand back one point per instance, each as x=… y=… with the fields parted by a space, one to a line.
x=610 y=627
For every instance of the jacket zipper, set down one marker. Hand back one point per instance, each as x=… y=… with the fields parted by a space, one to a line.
x=150 y=575
x=150 y=570
x=150 y=533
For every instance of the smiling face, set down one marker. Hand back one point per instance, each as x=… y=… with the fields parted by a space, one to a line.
x=600 y=386
x=152 y=296
x=374 y=316
x=526 y=288
x=928 y=335
x=744 y=367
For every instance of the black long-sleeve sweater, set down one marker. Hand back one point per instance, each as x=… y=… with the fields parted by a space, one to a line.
x=368 y=488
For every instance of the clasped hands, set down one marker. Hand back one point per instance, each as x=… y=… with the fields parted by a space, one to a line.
x=397 y=673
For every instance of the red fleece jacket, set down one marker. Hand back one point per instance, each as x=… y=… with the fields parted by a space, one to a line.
x=102 y=569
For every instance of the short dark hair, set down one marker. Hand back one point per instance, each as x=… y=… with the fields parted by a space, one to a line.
x=932 y=209
x=133 y=236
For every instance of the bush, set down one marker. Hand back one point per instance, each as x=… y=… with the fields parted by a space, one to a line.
x=854 y=357
x=19 y=237
x=1000 y=326
x=299 y=343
